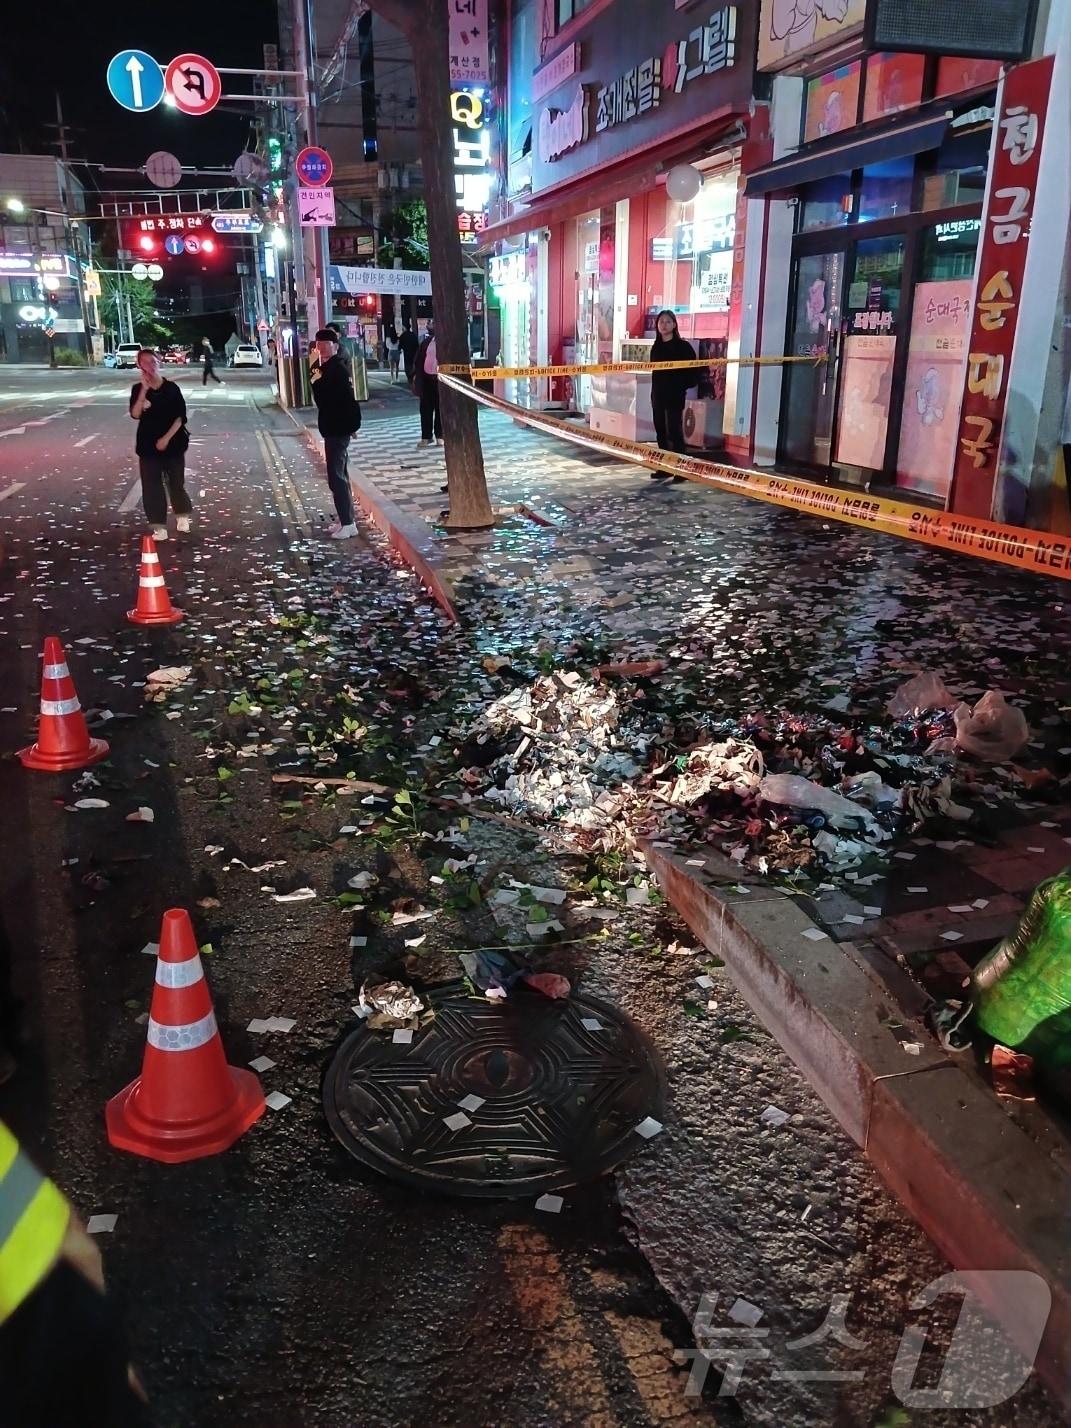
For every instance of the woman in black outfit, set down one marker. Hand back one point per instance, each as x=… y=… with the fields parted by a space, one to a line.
x=668 y=389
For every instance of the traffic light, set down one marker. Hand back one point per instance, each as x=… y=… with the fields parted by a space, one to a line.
x=208 y=245
x=147 y=244
x=368 y=88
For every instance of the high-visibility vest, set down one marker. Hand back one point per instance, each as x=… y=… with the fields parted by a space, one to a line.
x=33 y=1222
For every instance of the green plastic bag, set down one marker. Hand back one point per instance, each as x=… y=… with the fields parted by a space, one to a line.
x=1022 y=989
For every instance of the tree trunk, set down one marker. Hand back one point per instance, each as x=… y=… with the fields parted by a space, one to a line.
x=425 y=25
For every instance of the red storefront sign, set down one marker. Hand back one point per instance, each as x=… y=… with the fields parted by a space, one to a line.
x=1018 y=135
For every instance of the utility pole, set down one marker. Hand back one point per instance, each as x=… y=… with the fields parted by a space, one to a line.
x=68 y=228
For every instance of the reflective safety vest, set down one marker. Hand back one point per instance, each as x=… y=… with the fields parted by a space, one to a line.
x=33 y=1222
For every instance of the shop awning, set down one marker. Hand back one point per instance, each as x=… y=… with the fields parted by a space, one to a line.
x=804 y=168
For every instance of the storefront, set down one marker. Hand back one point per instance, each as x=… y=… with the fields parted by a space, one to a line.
x=592 y=246
x=887 y=187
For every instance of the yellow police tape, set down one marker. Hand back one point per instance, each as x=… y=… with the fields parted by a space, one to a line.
x=1009 y=545
x=494 y=374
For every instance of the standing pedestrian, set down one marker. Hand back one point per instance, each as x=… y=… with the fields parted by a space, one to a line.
x=426 y=386
x=408 y=345
x=668 y=389
x=159 y=409
x=63 y=1351
x=394 y=355
x=207 y=358
x=338 y=417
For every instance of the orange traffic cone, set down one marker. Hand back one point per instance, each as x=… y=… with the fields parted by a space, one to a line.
x=187 y=1102
x=63 y=740
x=154 y=605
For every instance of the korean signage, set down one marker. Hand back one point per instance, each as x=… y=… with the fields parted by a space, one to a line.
x=351 y=241
x=1016 y=159
x=627 y=86
x=316 y=206
x=508 y=270
x=407 y=281
x=473 y=175
x=791 y=30
x=711 y=46
x=469 y=51
x=162 y=223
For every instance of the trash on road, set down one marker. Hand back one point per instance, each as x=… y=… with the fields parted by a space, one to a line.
x=391 y=1005
x=919 y=695
x=162 y=682
x=993 y=730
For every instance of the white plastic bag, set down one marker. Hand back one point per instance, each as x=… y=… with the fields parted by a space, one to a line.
x=916 y=695
x=795 y=791
x=993 y=730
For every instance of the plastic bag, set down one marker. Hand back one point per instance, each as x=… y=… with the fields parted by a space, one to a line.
x=1022 y=989
x=795 y=791
x=994 y=730
x=916 y=695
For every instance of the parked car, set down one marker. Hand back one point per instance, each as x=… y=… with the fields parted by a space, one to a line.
x=176 y=356
x=246 y=355
x=126 y=354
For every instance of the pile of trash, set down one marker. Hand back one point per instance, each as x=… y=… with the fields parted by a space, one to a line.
x=778 y=793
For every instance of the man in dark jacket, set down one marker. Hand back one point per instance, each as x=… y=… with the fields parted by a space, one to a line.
x=339 y=416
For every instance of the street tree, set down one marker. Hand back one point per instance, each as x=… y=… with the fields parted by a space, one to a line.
x=427 y=29
x=141 y=296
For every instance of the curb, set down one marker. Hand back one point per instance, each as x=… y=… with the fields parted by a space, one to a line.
x=986 y=1194
x=408 y=535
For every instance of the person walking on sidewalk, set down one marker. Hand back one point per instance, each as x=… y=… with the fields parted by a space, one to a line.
x=426 y=385
x=159 y=409
x=394 y=355
x=408 y=345
x=338 y=417
x=207 y=358
x=668 y=389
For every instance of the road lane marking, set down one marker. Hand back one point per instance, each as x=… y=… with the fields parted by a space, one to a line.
x=86 y=440
x=14 y=431
x=12 y=489
x=132 y=497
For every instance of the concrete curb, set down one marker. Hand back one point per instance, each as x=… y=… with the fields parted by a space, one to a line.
x=408 y=535
x=985 y=1193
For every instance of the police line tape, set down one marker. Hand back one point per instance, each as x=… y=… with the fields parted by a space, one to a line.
x=1009 y=545
x=572 y=369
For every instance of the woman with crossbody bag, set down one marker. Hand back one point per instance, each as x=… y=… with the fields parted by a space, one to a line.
x=159 y=409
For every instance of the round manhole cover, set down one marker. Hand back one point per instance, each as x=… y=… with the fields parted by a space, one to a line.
x=497 y=1099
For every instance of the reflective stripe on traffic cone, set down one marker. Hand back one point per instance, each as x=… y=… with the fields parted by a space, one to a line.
x=63 y=740
x=187 y=1102
x=154 y=605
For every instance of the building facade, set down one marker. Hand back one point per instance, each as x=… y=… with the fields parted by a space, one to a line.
x=44 y=251
x=895 y=221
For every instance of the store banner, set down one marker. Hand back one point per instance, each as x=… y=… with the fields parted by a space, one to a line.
x=1016 y=157
x=470 y=61
x=933 y=385
x=409 y=282
x=789 y=30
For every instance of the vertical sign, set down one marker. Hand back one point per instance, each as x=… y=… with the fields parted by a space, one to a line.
x=1017 y=138
x=473 y=174
x=469 y=50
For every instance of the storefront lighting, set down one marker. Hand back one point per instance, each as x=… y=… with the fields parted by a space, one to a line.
x=51 y=282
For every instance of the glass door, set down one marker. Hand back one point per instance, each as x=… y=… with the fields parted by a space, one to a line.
x=809 y=401
x=871 y=324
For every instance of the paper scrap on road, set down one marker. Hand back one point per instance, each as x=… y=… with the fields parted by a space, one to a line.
x=550 y=1204
x=458 y=1121
x=471 y=1103
x=101 y=1224
x=275 y=1100
x=141 y=815
x=774 y=1116
x=742 y=1311
x=262 y=1063
x=649 y=1127
x=298 y=895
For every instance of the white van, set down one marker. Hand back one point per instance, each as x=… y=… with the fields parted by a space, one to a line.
x=126 y=354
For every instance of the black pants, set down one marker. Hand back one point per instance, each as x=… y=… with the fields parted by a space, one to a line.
x=669 y=426
x=63 y=1360
x=163 y=476
x=337 y=455
x=210 y=371
x=429 y=408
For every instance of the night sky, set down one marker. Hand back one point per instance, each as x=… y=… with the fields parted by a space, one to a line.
x=66 y=45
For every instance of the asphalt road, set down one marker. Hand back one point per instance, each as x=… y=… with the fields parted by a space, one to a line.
x=280 y=1285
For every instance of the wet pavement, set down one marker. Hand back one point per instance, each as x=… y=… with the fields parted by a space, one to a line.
x=302 y=1290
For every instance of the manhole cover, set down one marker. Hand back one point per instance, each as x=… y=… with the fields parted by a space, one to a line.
x=562 y=1085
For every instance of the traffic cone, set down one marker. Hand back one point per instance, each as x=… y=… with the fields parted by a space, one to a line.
x=63 y=740
x=187 y=1102
x=154 y=605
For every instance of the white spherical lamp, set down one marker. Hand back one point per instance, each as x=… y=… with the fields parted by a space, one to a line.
x=683 y=182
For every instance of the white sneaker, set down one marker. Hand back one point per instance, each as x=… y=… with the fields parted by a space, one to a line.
x=182 y=525
x=344 y=533
x=159 y=533
x=439 y=441
x=422 y=444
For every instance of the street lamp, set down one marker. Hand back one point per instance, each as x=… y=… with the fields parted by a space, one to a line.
x=16 y=205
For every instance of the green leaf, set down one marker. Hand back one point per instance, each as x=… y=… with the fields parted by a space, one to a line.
x=349 y=899
x=207 y=949
x=538 y=913
x=403 y=796
x=223 y=773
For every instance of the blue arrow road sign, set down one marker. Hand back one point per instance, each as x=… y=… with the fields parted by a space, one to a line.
x=135 y=81
x=174 y=245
